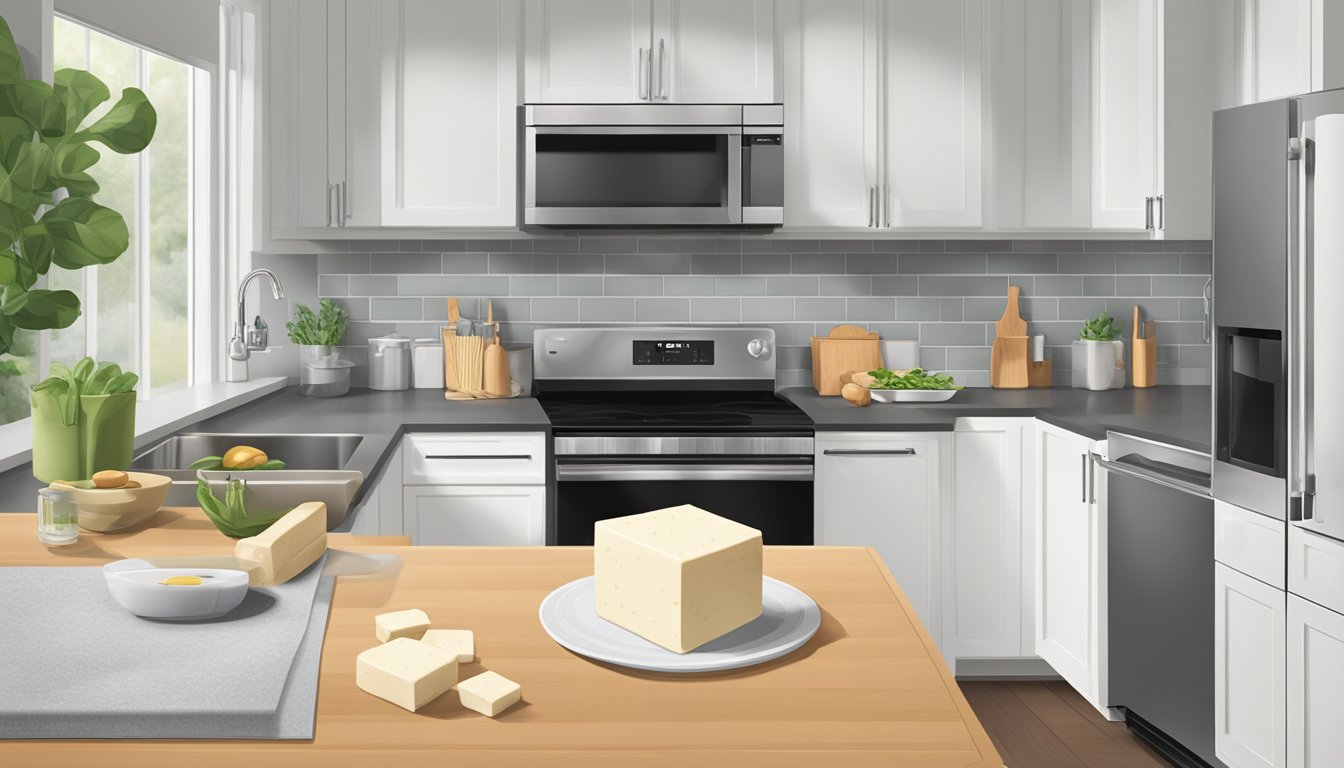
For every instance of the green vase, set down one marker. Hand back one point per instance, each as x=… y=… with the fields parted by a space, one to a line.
x=102 y=437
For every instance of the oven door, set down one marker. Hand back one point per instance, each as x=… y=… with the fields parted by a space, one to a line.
x=624 y=175
x=772 y=495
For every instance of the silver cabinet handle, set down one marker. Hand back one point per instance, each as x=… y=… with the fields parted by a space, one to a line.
x=330 y=189
x=1083 y=476
x=1161 y=212
x=868 y=452
x=1091 y=475
x=481 y=456
x=345 y=203
x=886 y=206
x=617 y=472
x=1208 y=310
x=662 y=60
x=1148 y=213
x=340 y=204
x=645 y=73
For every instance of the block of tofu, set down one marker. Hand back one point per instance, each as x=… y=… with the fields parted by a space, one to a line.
x=678 y=577
x=460 y=641
x=390 y=626
x=406 y=672
x=489 y=693
x=284 y=550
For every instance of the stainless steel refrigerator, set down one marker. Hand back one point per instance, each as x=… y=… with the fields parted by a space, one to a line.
x=1279 y=309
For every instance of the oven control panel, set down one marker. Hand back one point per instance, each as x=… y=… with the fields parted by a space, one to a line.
x=664 y=352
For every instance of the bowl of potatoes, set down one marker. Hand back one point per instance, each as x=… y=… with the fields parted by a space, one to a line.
x=113 y=500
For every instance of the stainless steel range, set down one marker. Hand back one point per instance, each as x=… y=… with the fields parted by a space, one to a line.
x=646 y=418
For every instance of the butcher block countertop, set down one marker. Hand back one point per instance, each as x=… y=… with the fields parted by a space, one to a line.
x=870 y=689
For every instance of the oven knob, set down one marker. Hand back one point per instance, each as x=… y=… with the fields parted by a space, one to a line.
x=759 y=349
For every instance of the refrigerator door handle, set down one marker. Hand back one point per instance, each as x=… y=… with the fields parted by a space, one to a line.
x=1298 y=236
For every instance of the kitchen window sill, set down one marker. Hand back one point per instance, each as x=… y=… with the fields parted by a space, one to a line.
x=154 y=419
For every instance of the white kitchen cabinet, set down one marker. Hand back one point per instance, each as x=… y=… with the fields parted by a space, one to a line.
x=931 y=94
x=1315 y=679
x=1249 y=671
x=882 y=490
x=1070 y=563
x=1125 y=101
x=448 y=149
x=987 y=602
x=321 y=130
x=380 y=513
x=471 y=516
x=830 y=56
x=1286 y=47
x=623 y=51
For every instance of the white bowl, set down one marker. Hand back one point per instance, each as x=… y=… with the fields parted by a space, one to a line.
x=136 y=586
x=114 y=509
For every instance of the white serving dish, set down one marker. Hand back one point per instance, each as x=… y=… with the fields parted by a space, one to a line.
x=912 y=395
x=135 y=585
x=789 y=619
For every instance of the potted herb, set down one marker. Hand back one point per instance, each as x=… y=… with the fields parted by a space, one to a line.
x=1099 y=354
x=83 y=421
x=322 y=372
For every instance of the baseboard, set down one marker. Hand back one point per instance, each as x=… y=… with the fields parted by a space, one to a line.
x=1003 y=669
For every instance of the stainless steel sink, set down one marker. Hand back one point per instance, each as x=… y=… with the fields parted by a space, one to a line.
x=312 y=467
x=297 y=451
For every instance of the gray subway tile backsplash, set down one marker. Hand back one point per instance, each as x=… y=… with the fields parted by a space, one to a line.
x=944 y=293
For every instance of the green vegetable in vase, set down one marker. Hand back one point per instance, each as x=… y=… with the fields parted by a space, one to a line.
x=1100 y=328
x=230 y=515
x=915 y=378
x=324 y=328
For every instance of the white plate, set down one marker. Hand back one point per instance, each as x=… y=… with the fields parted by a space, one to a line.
x=789 y=619
x=912 y=395
x=135 y=585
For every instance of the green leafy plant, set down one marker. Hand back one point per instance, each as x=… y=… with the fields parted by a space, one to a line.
x=216 y=463
x=230 y=515
x=1100 y=328
x=47 y=212
x=326 y=327
x=915 y=378
x=67 y=384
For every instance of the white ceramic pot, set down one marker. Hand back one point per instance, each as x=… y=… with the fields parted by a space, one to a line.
x=1098 y=365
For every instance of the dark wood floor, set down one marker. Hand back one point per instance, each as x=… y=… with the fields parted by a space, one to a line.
x=1048 y=725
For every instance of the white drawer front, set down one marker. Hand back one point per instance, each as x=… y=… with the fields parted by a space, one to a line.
x=1250 y=542
x=1316 y=568
x=475 y=458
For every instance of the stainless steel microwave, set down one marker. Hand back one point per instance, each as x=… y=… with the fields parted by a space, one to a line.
x=631 y=165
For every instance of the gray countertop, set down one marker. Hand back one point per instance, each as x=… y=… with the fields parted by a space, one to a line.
x=1174 y=415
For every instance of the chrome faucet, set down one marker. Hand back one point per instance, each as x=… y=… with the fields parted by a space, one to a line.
x=246 y=340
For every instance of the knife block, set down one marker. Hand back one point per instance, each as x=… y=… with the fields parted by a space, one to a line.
x=1143 y=349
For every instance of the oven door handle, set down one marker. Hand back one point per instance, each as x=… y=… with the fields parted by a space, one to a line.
x=1152 y=477
x=724 y=471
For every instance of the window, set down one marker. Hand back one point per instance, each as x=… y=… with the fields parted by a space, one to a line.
x=137 y=311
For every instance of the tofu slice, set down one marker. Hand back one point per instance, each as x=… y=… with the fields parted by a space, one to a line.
x=395 y=624
x=460 y=641
x=284 y=550
x=406 y=672
x=489 y=693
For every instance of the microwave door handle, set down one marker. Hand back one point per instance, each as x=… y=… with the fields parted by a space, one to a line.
x=736 y=149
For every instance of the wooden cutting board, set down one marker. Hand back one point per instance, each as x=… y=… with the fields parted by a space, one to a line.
x=1008 y=356
x=847 y=348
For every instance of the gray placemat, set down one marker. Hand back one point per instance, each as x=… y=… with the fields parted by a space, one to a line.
x=77 y=665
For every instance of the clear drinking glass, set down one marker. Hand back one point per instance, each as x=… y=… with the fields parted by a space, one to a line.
x=57 y=517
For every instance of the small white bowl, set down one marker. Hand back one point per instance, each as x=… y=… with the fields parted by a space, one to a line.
x=137 y=586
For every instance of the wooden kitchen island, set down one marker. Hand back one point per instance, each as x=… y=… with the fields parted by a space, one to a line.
x=870 y=689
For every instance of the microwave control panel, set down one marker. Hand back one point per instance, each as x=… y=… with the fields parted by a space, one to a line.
x=696 y=352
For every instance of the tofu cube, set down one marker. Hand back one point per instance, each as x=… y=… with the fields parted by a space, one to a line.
x=678 y=577
x=406 y=672
x=460 y=641
x=489 y=693
x=285 y=549
x=390 y=626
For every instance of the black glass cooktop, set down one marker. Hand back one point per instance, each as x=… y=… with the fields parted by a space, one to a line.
x=663 y=411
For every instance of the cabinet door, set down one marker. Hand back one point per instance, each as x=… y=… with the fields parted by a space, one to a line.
x=1315 y=679
x=1124 y=118
x=982 y=539
x=354 y=106
x=881 y=491
x=714 y=51
x=1273 y=49
x=930 y=151
x=830 y=52
x=449 y=117
x=1067 y=559
x=298 y=142
x=1248 y=658
x=1042 y=92
x=588 y=51
x=469 y=516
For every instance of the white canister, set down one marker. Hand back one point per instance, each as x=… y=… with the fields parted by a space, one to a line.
x=427 y=363
x=390 y=362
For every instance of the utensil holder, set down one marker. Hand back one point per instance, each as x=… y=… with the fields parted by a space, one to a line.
x=464 y=356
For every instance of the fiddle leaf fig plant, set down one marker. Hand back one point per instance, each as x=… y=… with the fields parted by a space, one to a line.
x=47 y=211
